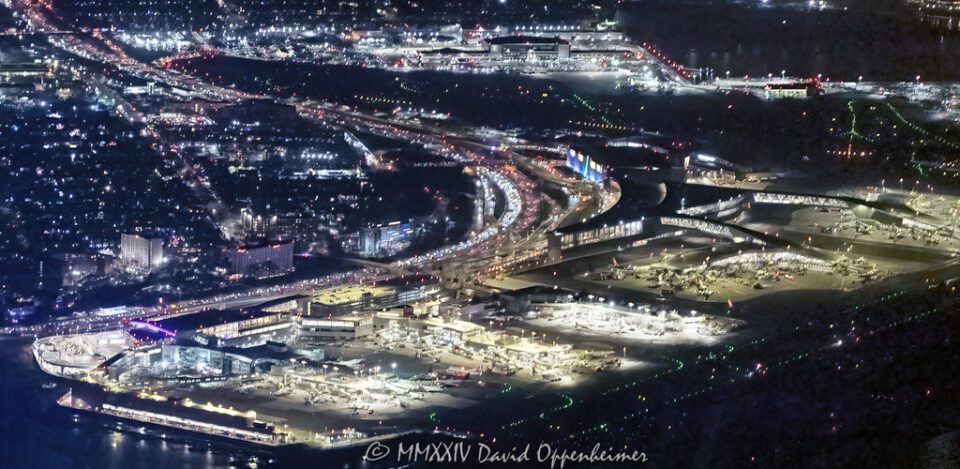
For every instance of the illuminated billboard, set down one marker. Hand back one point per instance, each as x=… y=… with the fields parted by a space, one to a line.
x=584 y=166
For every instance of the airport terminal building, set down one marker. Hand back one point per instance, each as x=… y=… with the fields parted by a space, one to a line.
x=527 y=48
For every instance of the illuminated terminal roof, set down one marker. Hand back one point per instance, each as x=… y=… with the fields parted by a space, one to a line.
x=348 y=294
x=462 y=327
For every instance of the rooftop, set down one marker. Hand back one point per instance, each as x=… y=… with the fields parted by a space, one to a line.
x=526 y=40
x=454 y=325
x=348 y=294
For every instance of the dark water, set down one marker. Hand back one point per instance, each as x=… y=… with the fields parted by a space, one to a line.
x=878 y=44
x=37 y=433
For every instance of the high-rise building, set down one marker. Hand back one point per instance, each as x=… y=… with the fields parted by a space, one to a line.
x=79 y=268
x=387 y=238
x=256 y=223
x=141 y=250
x=261 y=259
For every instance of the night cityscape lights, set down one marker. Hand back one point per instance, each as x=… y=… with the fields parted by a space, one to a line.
x=317 y=233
